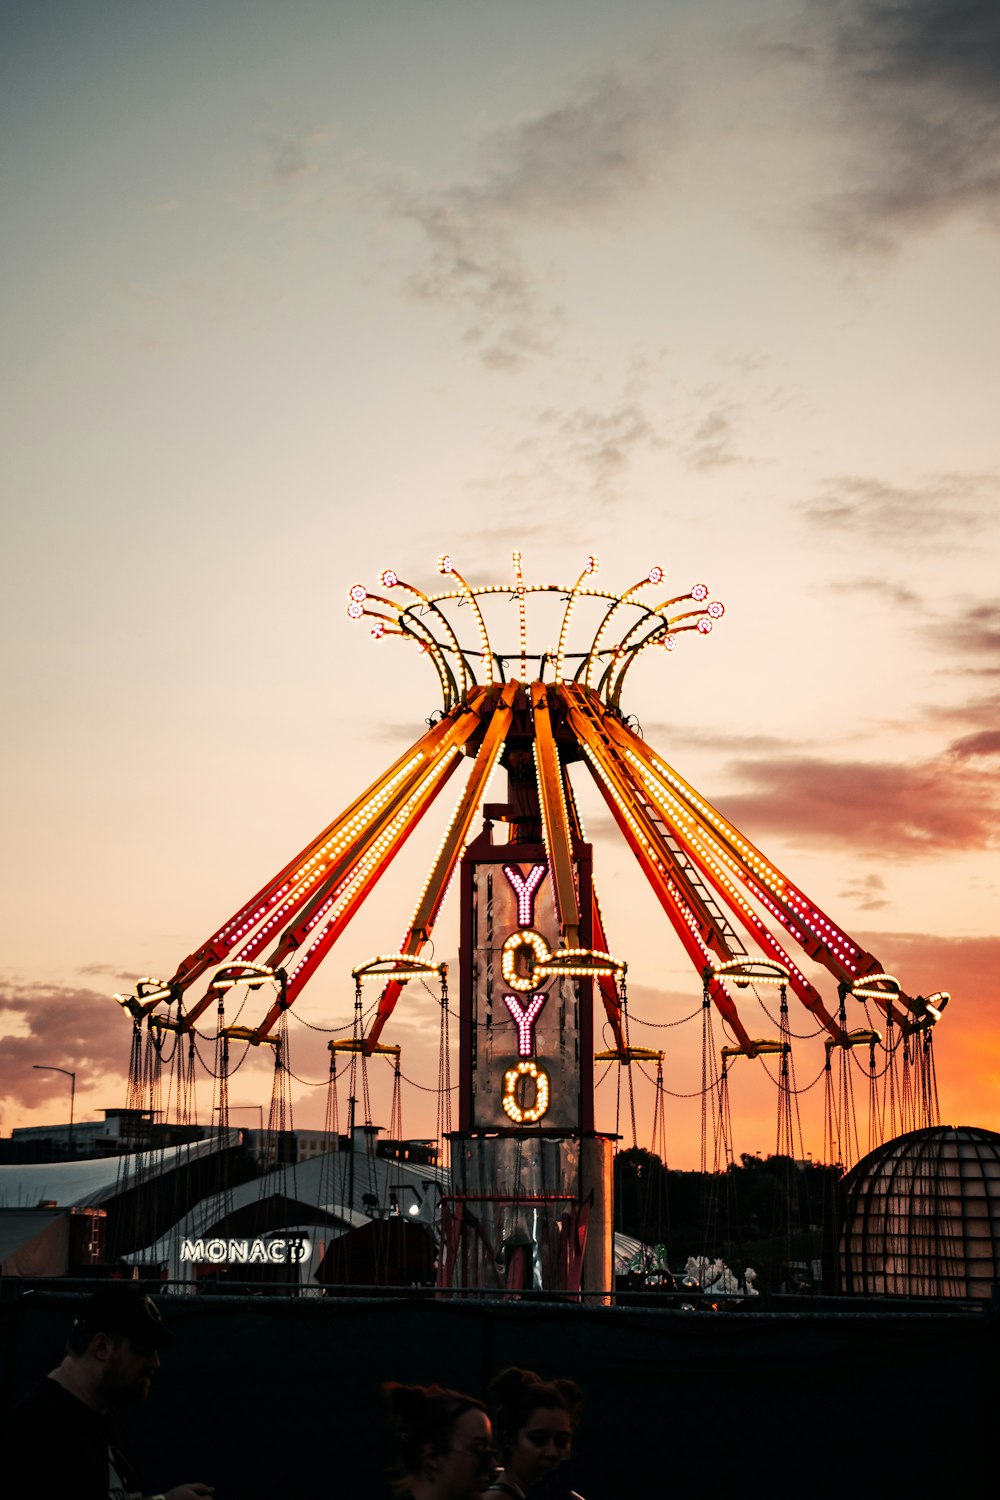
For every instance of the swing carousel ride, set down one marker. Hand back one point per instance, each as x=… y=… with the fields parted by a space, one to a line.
x=533 y=943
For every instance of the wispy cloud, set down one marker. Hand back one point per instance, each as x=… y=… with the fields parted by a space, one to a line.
x=898 y=811
x=979 y=718
x=916 y=86
x=600 y=443
x=941 y=511
x=986 y=742
x=566 y=165
x=975 y=632
x=865 y=891
x=883 y=589
x=667 y=735
x=712 y=444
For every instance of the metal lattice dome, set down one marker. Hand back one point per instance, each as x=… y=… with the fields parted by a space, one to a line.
x=923 y=1216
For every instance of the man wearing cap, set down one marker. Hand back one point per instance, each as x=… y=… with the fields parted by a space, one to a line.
x=59 y=1443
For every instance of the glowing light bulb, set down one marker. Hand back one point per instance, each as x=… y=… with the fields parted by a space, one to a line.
x=389 y=578
x=445 y=564
x=359 y=593
x=655 y=575
x=700 y=591
x=355 y=610
x=716 y=609
x=704 y=625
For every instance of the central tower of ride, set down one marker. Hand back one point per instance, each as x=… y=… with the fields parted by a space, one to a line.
x=531 y=1181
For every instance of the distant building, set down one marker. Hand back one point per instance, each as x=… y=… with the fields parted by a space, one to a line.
x=120 y=1131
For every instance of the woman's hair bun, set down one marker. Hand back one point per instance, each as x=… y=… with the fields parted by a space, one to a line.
x=423 y=1416
x=516 y=1393
x=512 y=1383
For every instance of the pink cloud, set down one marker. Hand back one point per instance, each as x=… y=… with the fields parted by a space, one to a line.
x=902 y=810
x=77 y=1029
x=986 y=742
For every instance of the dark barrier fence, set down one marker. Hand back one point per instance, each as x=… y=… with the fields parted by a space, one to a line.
x=271 y=1397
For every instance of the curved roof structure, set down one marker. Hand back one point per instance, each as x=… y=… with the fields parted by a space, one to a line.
x=90 y=1183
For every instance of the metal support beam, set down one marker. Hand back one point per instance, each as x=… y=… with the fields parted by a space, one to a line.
x=451 y=850
x=555 y=823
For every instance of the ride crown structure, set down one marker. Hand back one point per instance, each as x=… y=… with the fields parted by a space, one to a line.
x=739 y=918
x=710 y=879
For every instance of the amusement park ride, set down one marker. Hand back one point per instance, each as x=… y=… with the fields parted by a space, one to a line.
x=530 y=1195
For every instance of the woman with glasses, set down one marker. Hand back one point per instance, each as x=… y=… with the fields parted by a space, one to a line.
x=534 y=1426
x=444 y=1443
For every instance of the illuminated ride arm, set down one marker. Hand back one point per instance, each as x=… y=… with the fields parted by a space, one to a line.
x=607 y=982
x=370 y=872
x=818 y=936
x=555 y=821
x=333 y=891
x=716 y=870
x=691 y=920
x=450 y=852
x=298 y=870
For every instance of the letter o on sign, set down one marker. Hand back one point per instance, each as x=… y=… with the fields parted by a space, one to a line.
x=515 y=1080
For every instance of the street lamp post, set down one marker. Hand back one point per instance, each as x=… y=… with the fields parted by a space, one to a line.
x=48 y=1068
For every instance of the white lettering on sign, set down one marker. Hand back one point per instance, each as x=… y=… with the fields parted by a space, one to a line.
x=219 y=1252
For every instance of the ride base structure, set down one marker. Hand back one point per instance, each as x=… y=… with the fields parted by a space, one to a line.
x=529 y=1204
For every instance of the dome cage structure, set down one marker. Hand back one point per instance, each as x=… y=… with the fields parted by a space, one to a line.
x=922 y=1216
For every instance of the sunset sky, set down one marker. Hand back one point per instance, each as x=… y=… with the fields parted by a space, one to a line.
x=298 y=291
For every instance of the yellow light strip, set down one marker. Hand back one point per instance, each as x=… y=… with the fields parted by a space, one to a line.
x=790 y=907
x=592 y=566
x=430 y=602
x=876 y=987
x=529 y=588
x=555 y=821
x=453 y=840
x=363 y=1045
x=401 y=966
x=665 y=637
x=745 y=971
x=680 y=905
x=415 y=628
x=854 y=1039
x=253 y=976
x=690 y=832
x=654 y=576
x=658 y=609
x=249 y=1034
x=339 y=900
x=446 y=565
x=328 y=864
x=758 y=1047
x=522 y=614
x=629 y=1055
x=681 y=901
x=298 y=867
